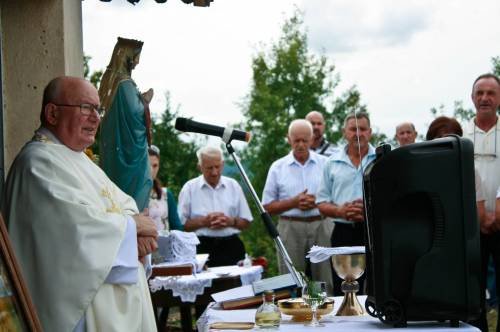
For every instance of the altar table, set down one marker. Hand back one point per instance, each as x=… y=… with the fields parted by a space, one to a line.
x=214 y=313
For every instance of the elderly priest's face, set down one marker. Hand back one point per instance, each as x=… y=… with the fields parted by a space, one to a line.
x=76 y=119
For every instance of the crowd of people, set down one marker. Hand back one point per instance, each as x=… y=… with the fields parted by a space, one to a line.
x=83 y=235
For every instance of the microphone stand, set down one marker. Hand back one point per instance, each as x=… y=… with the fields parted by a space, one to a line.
x=266 y=218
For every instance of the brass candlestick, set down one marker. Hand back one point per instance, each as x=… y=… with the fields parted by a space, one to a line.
x=349 y=267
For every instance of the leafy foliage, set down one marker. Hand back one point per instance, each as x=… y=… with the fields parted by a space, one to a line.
x=288 y=82
x=178 y=158
x=496 y=65
x=95 y=76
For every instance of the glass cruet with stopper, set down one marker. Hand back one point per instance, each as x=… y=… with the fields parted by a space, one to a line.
x=268 y=315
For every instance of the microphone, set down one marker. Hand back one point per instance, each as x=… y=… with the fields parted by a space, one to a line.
x=227 y=134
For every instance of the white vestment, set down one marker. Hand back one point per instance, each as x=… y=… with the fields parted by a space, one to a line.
x=66 y=221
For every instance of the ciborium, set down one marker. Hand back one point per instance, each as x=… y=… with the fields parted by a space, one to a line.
x=349 y=267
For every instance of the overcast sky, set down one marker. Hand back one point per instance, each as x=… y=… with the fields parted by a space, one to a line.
x=404 y=56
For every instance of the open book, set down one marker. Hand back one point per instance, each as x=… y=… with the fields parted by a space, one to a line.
x=249 y=295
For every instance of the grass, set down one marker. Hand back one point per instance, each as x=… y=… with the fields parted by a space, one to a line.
x=492 y=319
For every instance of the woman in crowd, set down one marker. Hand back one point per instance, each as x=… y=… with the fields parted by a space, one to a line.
x=442 y=126
x=162 y=205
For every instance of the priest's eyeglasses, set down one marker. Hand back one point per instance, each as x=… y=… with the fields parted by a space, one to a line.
x=86 y=109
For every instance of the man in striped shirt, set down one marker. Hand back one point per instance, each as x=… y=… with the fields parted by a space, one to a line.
x=290 y=191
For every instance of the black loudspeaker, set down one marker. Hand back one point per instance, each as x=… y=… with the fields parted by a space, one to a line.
x=422 y=233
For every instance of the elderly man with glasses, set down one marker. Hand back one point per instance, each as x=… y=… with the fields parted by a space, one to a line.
x=77 y=236
x=484 y=131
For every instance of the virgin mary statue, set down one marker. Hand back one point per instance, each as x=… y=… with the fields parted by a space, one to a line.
x=125 y=129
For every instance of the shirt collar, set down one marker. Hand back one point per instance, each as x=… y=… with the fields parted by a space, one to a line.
x=290 y=159
x=204 y=183
x=471 y=126
x=341 y=154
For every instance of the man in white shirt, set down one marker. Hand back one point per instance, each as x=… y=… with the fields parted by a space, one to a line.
x=215 y=208
x=405 y=133
x=484 y=131
x=290 y=191
x=78 y=238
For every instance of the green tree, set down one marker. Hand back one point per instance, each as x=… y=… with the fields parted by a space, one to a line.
x=95 y=76
x=178 y=158
x=288 y=82
x=496 y=65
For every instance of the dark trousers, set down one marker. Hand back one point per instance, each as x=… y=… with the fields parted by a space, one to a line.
x=490 y=246
x=346 y=235
x=222 y=251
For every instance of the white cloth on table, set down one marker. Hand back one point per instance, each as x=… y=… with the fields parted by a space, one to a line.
x=178 y=246
x=189 y=287
x=319 y=254
x=332 y=323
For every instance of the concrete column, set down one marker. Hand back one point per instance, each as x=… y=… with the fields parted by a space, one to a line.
x=40 y=40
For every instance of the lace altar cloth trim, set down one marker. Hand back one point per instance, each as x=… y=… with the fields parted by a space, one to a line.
x=189 y=287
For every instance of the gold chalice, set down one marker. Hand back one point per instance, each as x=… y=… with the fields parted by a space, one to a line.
x=301 y=311
x=349 y=267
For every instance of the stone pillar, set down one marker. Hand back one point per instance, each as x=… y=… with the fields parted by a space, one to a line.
x=40 y=40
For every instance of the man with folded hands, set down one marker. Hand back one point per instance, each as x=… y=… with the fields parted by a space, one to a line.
x=214 y=207
x=340 y=192
x=290 y=191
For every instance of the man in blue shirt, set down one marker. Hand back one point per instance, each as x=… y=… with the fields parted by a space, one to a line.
x=340 y=194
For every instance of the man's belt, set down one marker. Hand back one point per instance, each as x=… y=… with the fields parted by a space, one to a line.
x=305 y=219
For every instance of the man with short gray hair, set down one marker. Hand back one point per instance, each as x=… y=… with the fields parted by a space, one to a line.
x=290 y=191
x=405 y=133
x=214 y=207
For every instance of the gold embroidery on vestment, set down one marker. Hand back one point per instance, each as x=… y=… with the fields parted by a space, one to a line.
x=41 y=138
x=114 y=207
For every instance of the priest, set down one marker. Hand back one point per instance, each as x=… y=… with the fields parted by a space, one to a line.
x=78 y=238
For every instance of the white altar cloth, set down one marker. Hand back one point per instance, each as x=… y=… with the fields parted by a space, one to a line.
x=331 y=322
x=189 y=287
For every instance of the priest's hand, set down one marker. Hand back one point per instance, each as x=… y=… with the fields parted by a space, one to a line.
x=145 y=225
x=146 y=245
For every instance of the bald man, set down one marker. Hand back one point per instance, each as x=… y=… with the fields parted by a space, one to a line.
x=77 y=236
x=319 y=144
x=290 y=191
x=405 y=133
